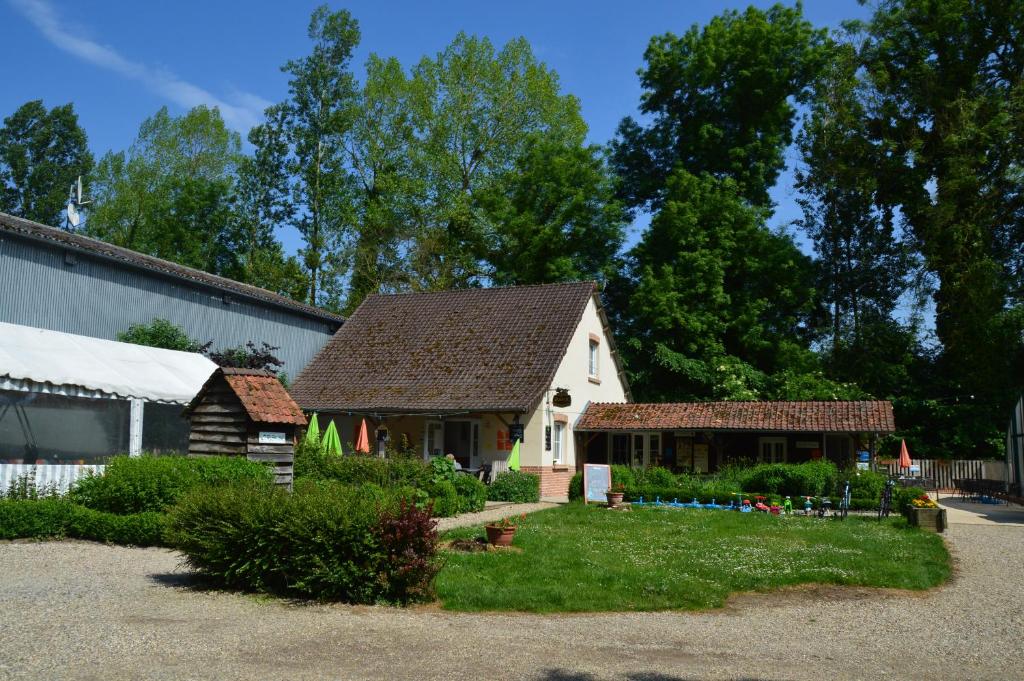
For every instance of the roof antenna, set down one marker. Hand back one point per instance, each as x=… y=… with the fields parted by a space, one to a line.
x=75 y=205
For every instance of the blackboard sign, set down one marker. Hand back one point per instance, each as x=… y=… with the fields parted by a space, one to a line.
x=515 y=432
x=597 y=480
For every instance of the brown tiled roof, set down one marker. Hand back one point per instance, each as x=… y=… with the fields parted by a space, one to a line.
x=866 y=416
x=58 y=237
x=262 y=396
x=491 y=349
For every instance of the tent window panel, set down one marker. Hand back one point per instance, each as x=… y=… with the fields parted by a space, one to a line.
x=164 y=429
x=54 y=429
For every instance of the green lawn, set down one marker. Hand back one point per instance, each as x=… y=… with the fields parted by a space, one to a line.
x=584 y=558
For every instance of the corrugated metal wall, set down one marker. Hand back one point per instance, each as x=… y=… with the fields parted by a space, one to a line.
x=98 y=298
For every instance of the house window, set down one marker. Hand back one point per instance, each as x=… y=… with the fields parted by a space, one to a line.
x=772 y=450
x=592 y=367
x=557 y=442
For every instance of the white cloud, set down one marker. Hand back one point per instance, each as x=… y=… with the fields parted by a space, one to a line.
x=243 y=111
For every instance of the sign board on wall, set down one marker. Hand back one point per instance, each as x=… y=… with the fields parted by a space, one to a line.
x=597 y=480
x=271 y=438
x=807 y=444
x=515 y=432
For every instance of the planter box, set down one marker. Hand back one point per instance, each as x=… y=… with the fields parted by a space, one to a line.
x=931 y=519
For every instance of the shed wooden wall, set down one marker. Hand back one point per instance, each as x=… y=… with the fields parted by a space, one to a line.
x=282 y=456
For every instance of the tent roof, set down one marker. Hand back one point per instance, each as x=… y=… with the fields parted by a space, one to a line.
x=79 y=365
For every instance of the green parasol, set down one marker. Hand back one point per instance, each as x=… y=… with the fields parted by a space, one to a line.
x=513 y=459
x=331 y=443
x=313 y=431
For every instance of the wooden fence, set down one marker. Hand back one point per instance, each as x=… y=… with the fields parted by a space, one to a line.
x=945 y=471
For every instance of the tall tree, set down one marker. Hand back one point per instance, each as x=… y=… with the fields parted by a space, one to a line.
x=866 y=267
x=719 y=100
x=306 y=134
x=947 y=78
x=41 y=154
x=712 y=302
x=477 y=108
x=171 y=194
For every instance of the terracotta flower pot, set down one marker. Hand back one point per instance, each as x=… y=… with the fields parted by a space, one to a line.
x=614 y=498
x=500 y=536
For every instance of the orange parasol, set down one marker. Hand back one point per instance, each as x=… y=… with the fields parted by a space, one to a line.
x=904 y=455
x=362 y=439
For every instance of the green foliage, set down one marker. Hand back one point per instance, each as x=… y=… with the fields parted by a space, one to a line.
x=623 y=475
x=442 y=469
x=813 y=478
x=670 y=559
x=160 y=333
x=153 y=483
x=41 y=154
x=324 y=541
x=902 y=496
x=311 y=463
x=472 y=493
x=54 y=518
x=445 y=499
x=576 y=487
x=23 y=488
x=863 y=484
x=515 y=486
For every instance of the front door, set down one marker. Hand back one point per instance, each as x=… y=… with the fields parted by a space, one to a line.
x=771 y=450
x=462 y=440
x=646 y=450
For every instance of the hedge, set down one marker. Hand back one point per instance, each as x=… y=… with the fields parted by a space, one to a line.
x=153 y=483
x=324 y=541
x=59 y=518
x=472 y=493
x=515 y=486
x=813 y=478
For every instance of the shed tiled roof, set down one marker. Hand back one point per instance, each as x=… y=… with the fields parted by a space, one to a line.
x=33 y=230
x=865 y=416
x=491 y=349
x=262 y=396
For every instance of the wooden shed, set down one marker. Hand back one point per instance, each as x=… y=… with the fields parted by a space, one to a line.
x=246 y=412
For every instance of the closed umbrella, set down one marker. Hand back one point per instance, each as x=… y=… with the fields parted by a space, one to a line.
x=904 y=455
x=363 y=440
x=331 y=443
x=313 y=431
x=513 y=459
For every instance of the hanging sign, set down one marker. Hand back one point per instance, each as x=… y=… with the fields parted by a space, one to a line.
x=515 y=432
x=561 y=398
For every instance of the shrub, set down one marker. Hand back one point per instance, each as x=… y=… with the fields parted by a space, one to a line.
x=657 y=477
x=515 y=486
x=324 y=541
x=472 y=493
x=623 y=475
x=813 y=477
x=58 y=518
x=901 y=497
x=863 y=484
x=445 y=498
x=576 y=487
x=24 y=487
x=153 y=483
x=312 y=463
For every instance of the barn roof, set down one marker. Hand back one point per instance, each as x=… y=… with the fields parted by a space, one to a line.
x=863 y=416
x=262 y=396
x=58 y=237
x=493 y=349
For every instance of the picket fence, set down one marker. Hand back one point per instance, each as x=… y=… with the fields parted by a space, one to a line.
x=944 y=471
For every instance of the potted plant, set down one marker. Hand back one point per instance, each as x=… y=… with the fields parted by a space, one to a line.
x=502 y=532
x=923 y=512
x=615 y=494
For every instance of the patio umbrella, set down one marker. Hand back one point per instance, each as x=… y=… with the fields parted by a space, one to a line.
x=513 y=459
x=904 y=455
x=362 y=439
x=331 y=443
x=313 y=430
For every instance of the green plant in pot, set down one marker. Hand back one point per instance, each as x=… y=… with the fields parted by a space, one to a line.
x=615 y=494
x=503 y=532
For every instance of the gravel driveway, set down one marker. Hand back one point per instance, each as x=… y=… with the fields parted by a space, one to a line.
x=76 y=610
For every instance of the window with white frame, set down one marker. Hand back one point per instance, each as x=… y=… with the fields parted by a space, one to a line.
x=592 y=366
x=557 y=442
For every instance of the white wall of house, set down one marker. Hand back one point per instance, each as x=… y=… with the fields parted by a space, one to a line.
x=574 y=373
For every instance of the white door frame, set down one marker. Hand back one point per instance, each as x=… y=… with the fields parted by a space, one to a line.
x=475 y=425
x=426 y=437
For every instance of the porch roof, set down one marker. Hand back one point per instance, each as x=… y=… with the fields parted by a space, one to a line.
x=862 y=416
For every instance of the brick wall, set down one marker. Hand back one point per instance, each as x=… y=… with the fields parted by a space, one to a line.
x=554 y=482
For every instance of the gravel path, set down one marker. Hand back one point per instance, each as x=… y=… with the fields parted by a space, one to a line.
x=76 y=610
x=491 y=513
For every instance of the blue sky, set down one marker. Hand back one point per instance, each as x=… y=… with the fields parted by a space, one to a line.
x=119 y=62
